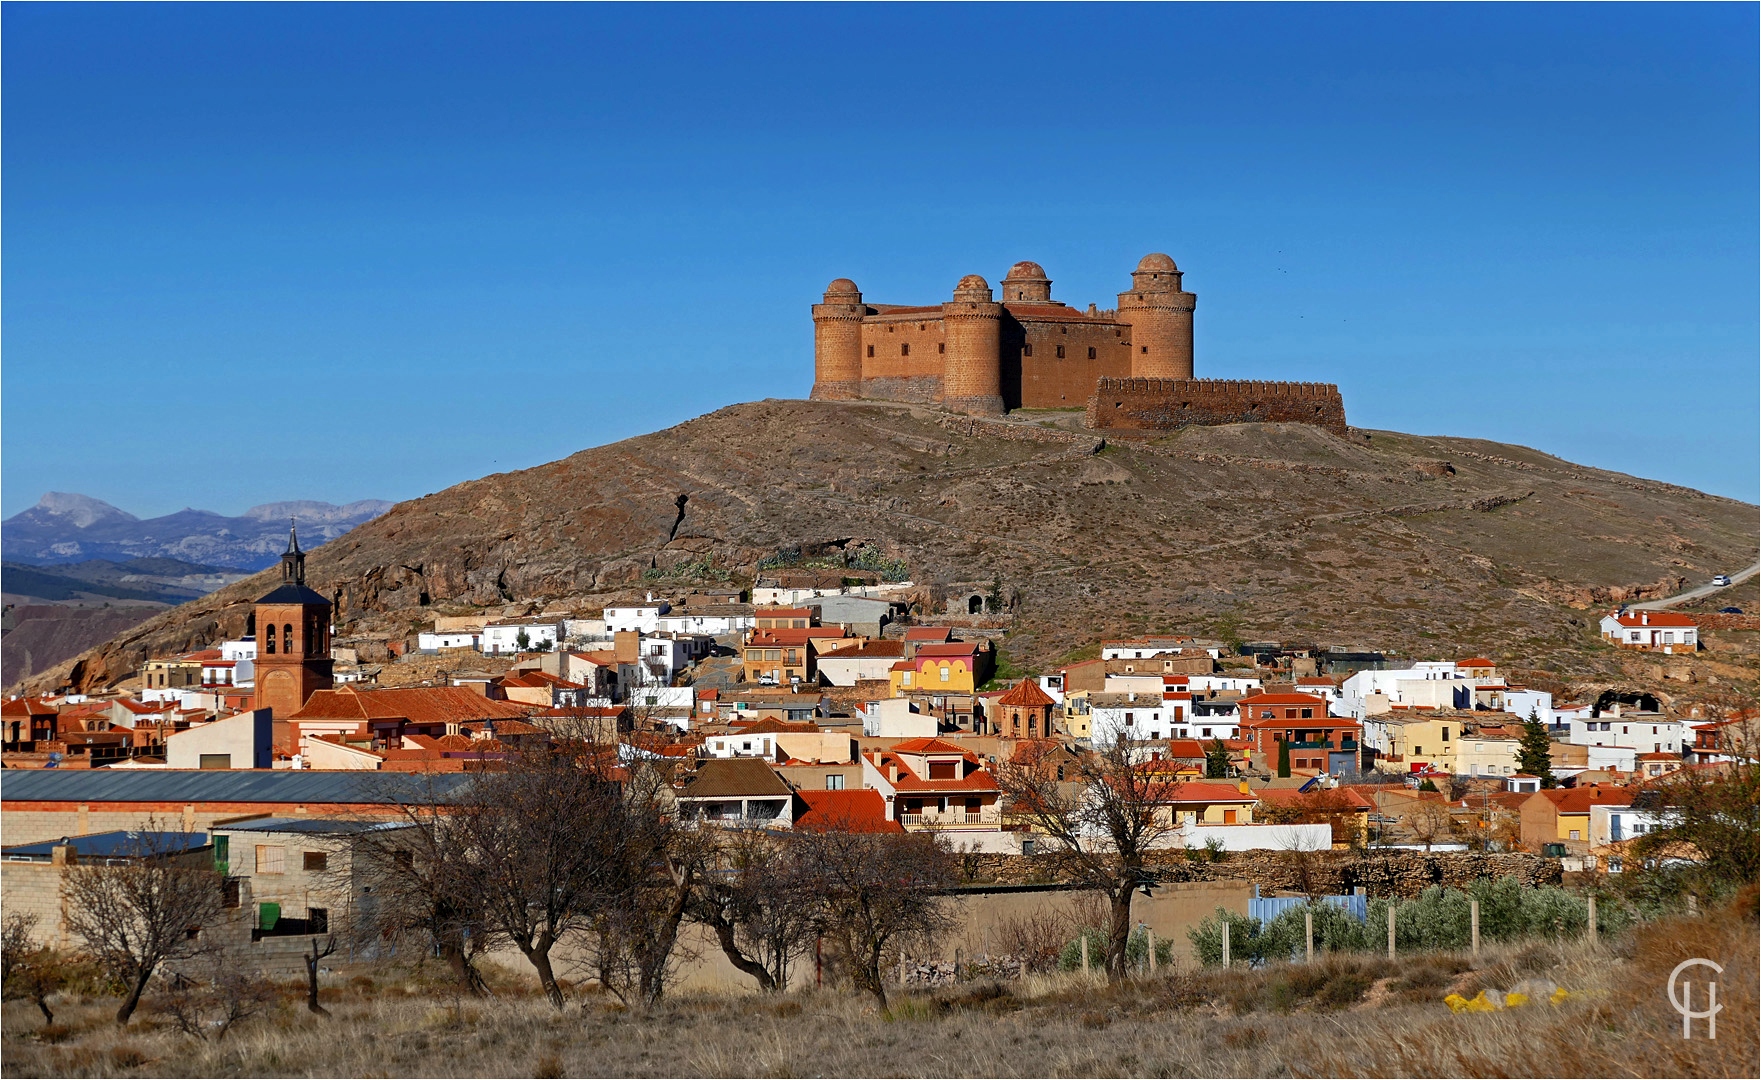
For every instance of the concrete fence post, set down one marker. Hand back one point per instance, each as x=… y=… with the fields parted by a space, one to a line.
x=1390 y=929
x=1152 y=941
x=1473 y=913
x=1225 y=942
x=1592 y=922
x=1084 y=940
x=1308 y=935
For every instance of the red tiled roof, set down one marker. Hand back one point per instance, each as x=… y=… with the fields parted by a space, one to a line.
x=418 y=705
x=1477 y=661
x=928 y=746
x=771 y=724
x=1654 y=618
x=1283 y=699
x=950 y=649
x=1333 y=798
x=1026 y=693
x=1579 y=800
x=794 y=635
x=874 y=650
x=783 y=613
x=928 y=633
x=861 y=810
x=27 y=706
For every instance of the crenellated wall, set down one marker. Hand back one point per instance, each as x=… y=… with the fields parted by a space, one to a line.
x=1158 y=404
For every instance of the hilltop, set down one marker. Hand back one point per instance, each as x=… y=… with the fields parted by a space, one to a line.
x=1420 y=545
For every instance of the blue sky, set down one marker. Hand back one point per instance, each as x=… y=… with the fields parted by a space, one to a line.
x=437 y=242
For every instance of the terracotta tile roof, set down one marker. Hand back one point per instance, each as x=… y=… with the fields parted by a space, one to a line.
x=27 y=706
x=1477 y=661
x=794 y=635
x=862 y=810
x=1331 y=798
x=1027 y=693
x=928 y=746
x=950 y=649
x=771 y=724
x=928 y=633
x=729 y=778
x=874 y=650
x=1200 y=791
x=783 y=613
x=418 y=705
x=1579 y=800
x=1638 y=619
x=1283 y=699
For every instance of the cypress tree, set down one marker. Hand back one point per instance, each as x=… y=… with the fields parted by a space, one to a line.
x=1283 y=757
x=1217 y=761
x=1535 y=750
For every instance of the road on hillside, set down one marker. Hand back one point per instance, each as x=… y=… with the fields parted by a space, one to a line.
x=1694 y=594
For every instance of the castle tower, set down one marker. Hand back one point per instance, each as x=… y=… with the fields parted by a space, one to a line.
x=293 y=638
x=837 y=343
x=1160 y=314
x=972 y=371
x=1027 y=283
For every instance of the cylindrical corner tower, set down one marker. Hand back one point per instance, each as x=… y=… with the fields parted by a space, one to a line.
x=972 y=372
x=1160 y=314
x=837 y=343
x=1027 y=283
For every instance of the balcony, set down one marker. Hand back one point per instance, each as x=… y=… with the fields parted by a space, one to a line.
x=949 y=820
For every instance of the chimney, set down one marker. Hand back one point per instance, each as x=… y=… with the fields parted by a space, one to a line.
x=63 y=854
x=1644 y=618
x=893 y=773
x=1243 y=786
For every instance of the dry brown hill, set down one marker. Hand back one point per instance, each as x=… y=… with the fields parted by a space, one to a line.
x=1424 y=545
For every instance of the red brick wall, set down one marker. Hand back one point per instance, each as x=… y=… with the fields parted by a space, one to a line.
x=1157 y=404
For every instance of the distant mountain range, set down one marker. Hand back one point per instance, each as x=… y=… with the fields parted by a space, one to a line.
x=67 y=528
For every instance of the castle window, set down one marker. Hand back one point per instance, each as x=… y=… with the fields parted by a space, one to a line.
x=1027 y=350
x=1063 y=329
x=941 y=347
x=1091 y=352
x=1060 y=352
x=905 y=348
x=1145 y=348
x=871 y=350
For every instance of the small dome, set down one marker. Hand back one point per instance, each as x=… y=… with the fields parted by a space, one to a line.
x=1157 y=262
x=1026 y=270
x=972 y=281
x=842 y=287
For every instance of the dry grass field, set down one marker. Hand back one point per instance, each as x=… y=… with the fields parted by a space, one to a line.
x=1344 y=1015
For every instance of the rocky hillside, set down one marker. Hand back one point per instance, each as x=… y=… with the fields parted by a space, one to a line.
x=1420 y=545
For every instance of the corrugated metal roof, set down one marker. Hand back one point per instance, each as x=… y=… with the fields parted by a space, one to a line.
x=123 y=843
x=216 y=785
x=311 y=825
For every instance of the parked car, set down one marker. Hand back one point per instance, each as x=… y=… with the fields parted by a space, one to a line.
x=1721 y=579
x=1730 y=611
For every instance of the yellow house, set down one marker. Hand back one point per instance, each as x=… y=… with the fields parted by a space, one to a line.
x=1077 y=714
x=1483 y=754
x=939 y=668
x=1415 y=742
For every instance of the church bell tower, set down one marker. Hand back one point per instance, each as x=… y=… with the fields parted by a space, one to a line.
x=293 y=638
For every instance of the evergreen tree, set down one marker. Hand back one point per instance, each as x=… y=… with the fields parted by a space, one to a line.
x=1535 y=750
x=1216 y=761
x=1283 y=758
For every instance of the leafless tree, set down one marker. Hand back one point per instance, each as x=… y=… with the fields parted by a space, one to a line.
x=756 y=899
x=554 y=842
x=28 y=971
x=417 y=875
x=318 y=953
x=648 y=888
x=1428 y=821
x=142 y=910
x=210 y=996
x=1103 y=821
x=878 y=891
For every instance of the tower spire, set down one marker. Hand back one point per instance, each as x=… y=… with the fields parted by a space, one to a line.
x=293 y=560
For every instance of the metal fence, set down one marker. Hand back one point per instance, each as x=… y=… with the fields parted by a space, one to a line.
x=1267 y=908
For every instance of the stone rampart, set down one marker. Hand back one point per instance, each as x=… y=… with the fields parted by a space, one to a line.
x=1162 y=404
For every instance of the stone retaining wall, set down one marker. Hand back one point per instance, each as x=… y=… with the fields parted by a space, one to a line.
x=1160 y=404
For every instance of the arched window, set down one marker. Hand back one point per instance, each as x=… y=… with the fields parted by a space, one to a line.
x=287 y=638
x=269 y=641
x=974 y=605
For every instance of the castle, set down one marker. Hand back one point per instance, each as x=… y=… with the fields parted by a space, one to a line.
x=1130 y=367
